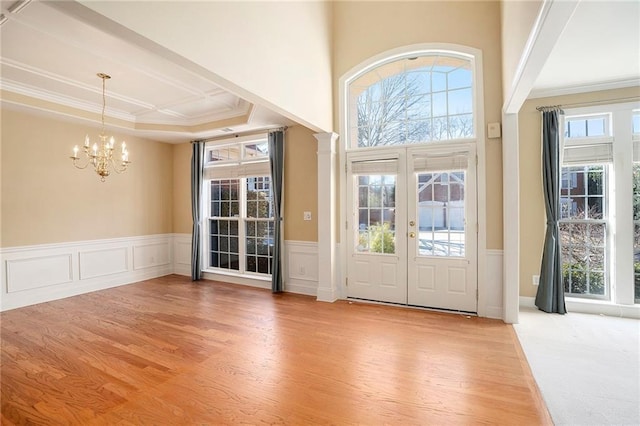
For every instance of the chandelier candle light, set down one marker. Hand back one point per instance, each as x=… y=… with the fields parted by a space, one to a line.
x=101 y=155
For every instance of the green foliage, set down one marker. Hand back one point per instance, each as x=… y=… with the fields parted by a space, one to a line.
x=578 y=280
x=382 y=239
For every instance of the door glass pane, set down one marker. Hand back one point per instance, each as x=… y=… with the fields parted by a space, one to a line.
x=441 y=214
x=376 y=231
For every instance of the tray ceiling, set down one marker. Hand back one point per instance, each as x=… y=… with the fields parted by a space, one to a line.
x=49 y=61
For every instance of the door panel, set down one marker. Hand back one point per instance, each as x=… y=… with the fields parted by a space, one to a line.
x=441 y=263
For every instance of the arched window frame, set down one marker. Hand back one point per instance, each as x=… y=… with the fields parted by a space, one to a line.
x=479 y=139
x=474 y=56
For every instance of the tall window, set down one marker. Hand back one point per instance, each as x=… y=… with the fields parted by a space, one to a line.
x=635 y=125
x=413 y=100
x=583 y=230
x=239 y=229
x=600 y=225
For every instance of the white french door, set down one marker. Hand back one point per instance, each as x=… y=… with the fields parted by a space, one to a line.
x=411 y=226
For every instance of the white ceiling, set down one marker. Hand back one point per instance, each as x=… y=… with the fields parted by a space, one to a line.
x=598 y=49
x=51 y=57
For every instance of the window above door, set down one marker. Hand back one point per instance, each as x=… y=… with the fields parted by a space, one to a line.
x=417 y=98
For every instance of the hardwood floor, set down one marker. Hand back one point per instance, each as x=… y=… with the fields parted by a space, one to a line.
x=167 y=351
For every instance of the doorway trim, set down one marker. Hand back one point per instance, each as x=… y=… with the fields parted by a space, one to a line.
x=388 y=56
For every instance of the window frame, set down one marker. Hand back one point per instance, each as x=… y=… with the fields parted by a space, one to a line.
x=617 y=149
x=242 y=168
x=348 y=105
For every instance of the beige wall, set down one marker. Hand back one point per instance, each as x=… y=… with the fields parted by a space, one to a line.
x=273 y=53
x=300 y=183
x=182 y=218
x=46 y=200
x=518 y=18
x=365 y=29
x=532 y=212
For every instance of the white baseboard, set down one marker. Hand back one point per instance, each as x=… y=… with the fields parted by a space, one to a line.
x=41 y=273
x=596 y=307
x=527 y=302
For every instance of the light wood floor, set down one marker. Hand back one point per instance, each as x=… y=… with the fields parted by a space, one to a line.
x=167 y=351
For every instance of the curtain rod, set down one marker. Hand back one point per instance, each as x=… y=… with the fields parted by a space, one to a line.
x=583 y=104
x=236 y=135
x=551 y=108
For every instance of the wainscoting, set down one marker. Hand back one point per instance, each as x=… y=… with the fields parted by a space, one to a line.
x=300 y=265
x=36 y=274
x=490 y=303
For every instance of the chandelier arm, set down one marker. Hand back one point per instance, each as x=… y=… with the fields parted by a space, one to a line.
x=123 y=166
x=75 y=163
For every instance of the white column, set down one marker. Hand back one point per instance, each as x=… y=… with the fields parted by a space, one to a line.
x=327 y=169
x=511 y=215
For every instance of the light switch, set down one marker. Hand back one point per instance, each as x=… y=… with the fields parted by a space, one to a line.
x=307 y=215
x=493 y=130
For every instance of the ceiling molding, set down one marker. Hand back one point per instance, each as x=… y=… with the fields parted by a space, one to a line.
x=56 y=98
x=583 y=88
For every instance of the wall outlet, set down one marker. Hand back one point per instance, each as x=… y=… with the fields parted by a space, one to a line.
x=535 y=279
x=307 y=215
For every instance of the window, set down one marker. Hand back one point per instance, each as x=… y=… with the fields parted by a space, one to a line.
x=599 y=225
x=583 y=231
x=413 y=100
x=636 y=230
x=587 y=126
x=239 y=230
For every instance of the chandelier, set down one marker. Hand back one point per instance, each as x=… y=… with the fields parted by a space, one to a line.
x=101 y=155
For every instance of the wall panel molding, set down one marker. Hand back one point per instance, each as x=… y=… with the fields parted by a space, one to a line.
x=38 y=271
x=493 y=306
x=301 y=267
x=41 y=273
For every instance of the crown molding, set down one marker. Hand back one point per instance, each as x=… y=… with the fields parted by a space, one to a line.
x=584 y=88
x=54 y=98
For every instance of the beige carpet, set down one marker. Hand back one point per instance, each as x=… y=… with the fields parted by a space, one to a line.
x=586 y=366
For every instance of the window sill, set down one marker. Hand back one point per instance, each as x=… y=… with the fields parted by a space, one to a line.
x=236 y=278
x=602 y=307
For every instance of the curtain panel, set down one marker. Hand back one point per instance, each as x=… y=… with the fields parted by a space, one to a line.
x=550 y=295
x=197 y=166
x=276 y=161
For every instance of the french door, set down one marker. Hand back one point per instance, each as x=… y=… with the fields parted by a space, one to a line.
x=412 y=233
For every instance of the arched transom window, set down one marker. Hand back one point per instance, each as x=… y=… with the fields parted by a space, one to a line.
x=411 y=100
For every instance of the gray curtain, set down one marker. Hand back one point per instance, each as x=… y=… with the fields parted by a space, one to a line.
x=276 y=160
x=550 y=296
x=197 y=164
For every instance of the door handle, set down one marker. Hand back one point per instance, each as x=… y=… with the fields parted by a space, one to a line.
x=412 y=234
